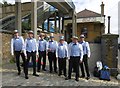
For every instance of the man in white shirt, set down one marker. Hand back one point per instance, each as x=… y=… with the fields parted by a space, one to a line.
x=75 y=57
x=42 y=48
x=86 y=56
x=17 y=49
x=62 y=55
x=31 y=51
x=52 y=46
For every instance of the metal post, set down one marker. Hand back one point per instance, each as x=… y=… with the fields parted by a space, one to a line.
x=34 y=17
x=55 y=24
x=62 y=24
x=73 y=24
x=108 y=24
x=48 y=27
x=18 y=16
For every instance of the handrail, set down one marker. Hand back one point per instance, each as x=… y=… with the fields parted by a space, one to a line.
x=4 y=25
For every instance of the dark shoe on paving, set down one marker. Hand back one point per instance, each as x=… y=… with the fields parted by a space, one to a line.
x=59 y=74
x=50 y=71
x=19 y=73
x=38 y=70
x=82 y=76
x=44 y=69
x=77 y=79
x=65 y=75
x=87 y=78
x=36 y=75
x=67 y=78
x=26 y=77
x=55 y=71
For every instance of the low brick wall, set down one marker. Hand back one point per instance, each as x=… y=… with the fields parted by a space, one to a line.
x=6 y=38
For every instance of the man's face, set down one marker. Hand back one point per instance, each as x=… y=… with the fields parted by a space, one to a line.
x=52 y=38
x=81 y=39
x=41 y=36
x=75 y=40
x=16 y=34
x=30 y=35
x=61 y=41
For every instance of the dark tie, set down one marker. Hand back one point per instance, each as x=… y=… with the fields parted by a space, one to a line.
x=51 y=41
x=74 y=44
x=61 y=44
x=41 y=39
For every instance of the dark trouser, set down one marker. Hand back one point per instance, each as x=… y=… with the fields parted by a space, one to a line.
x=41 y=54
x=85 y=62
x=17 y=56
x=62 y=65
x=74 y=63
x=33 y=55
x=52 y=58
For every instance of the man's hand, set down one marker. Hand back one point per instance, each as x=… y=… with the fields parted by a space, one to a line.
x=37 y=56
x=81 y=61
x=49 y=50
x=12 y=54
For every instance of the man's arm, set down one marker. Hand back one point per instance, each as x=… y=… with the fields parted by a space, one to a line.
x=81 y=52
x=12 y=50
x=36 y=43
x=88 y=49
x=25 y=45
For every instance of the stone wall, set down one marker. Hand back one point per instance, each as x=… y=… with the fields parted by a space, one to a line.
x=95 y=55
x=6 y=38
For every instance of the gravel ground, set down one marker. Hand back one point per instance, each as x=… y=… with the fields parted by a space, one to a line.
x=10 y=78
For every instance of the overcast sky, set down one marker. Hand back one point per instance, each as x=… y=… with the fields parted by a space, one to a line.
x=111 y=9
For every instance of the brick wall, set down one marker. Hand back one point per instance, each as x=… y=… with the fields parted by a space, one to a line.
x=6 y=38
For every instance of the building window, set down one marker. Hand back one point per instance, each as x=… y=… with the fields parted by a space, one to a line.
x=84 y=31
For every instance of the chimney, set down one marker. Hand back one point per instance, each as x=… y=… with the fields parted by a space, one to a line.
x=108 y=24
x=102 y=9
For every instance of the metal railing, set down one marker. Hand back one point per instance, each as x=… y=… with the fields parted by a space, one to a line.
x=40 y=12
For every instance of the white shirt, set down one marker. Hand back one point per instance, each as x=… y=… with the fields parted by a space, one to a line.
x=86 y=48
x=75 y=50
x=62 y=51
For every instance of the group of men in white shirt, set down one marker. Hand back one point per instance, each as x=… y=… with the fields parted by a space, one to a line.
x=77 y=53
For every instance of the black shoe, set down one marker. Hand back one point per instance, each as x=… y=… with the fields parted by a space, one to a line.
x=65 y=75
x=26 y=77
x=87 y=78
x=38 y=70
x=59 y=74
x=67 y=78
x=82 y=76
x=44 y=69
x=55 y=71
x=36 y=75
x=19 y=73
x=77 y=79
x=50 y=71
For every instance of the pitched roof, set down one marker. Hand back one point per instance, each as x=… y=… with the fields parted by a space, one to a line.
x=87 y=13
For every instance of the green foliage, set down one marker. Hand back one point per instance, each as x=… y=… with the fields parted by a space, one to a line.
x=25 y=26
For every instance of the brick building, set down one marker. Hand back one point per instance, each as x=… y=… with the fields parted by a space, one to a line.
x=89 y=23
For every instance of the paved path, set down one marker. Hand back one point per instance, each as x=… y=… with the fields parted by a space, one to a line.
x=10 y=78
